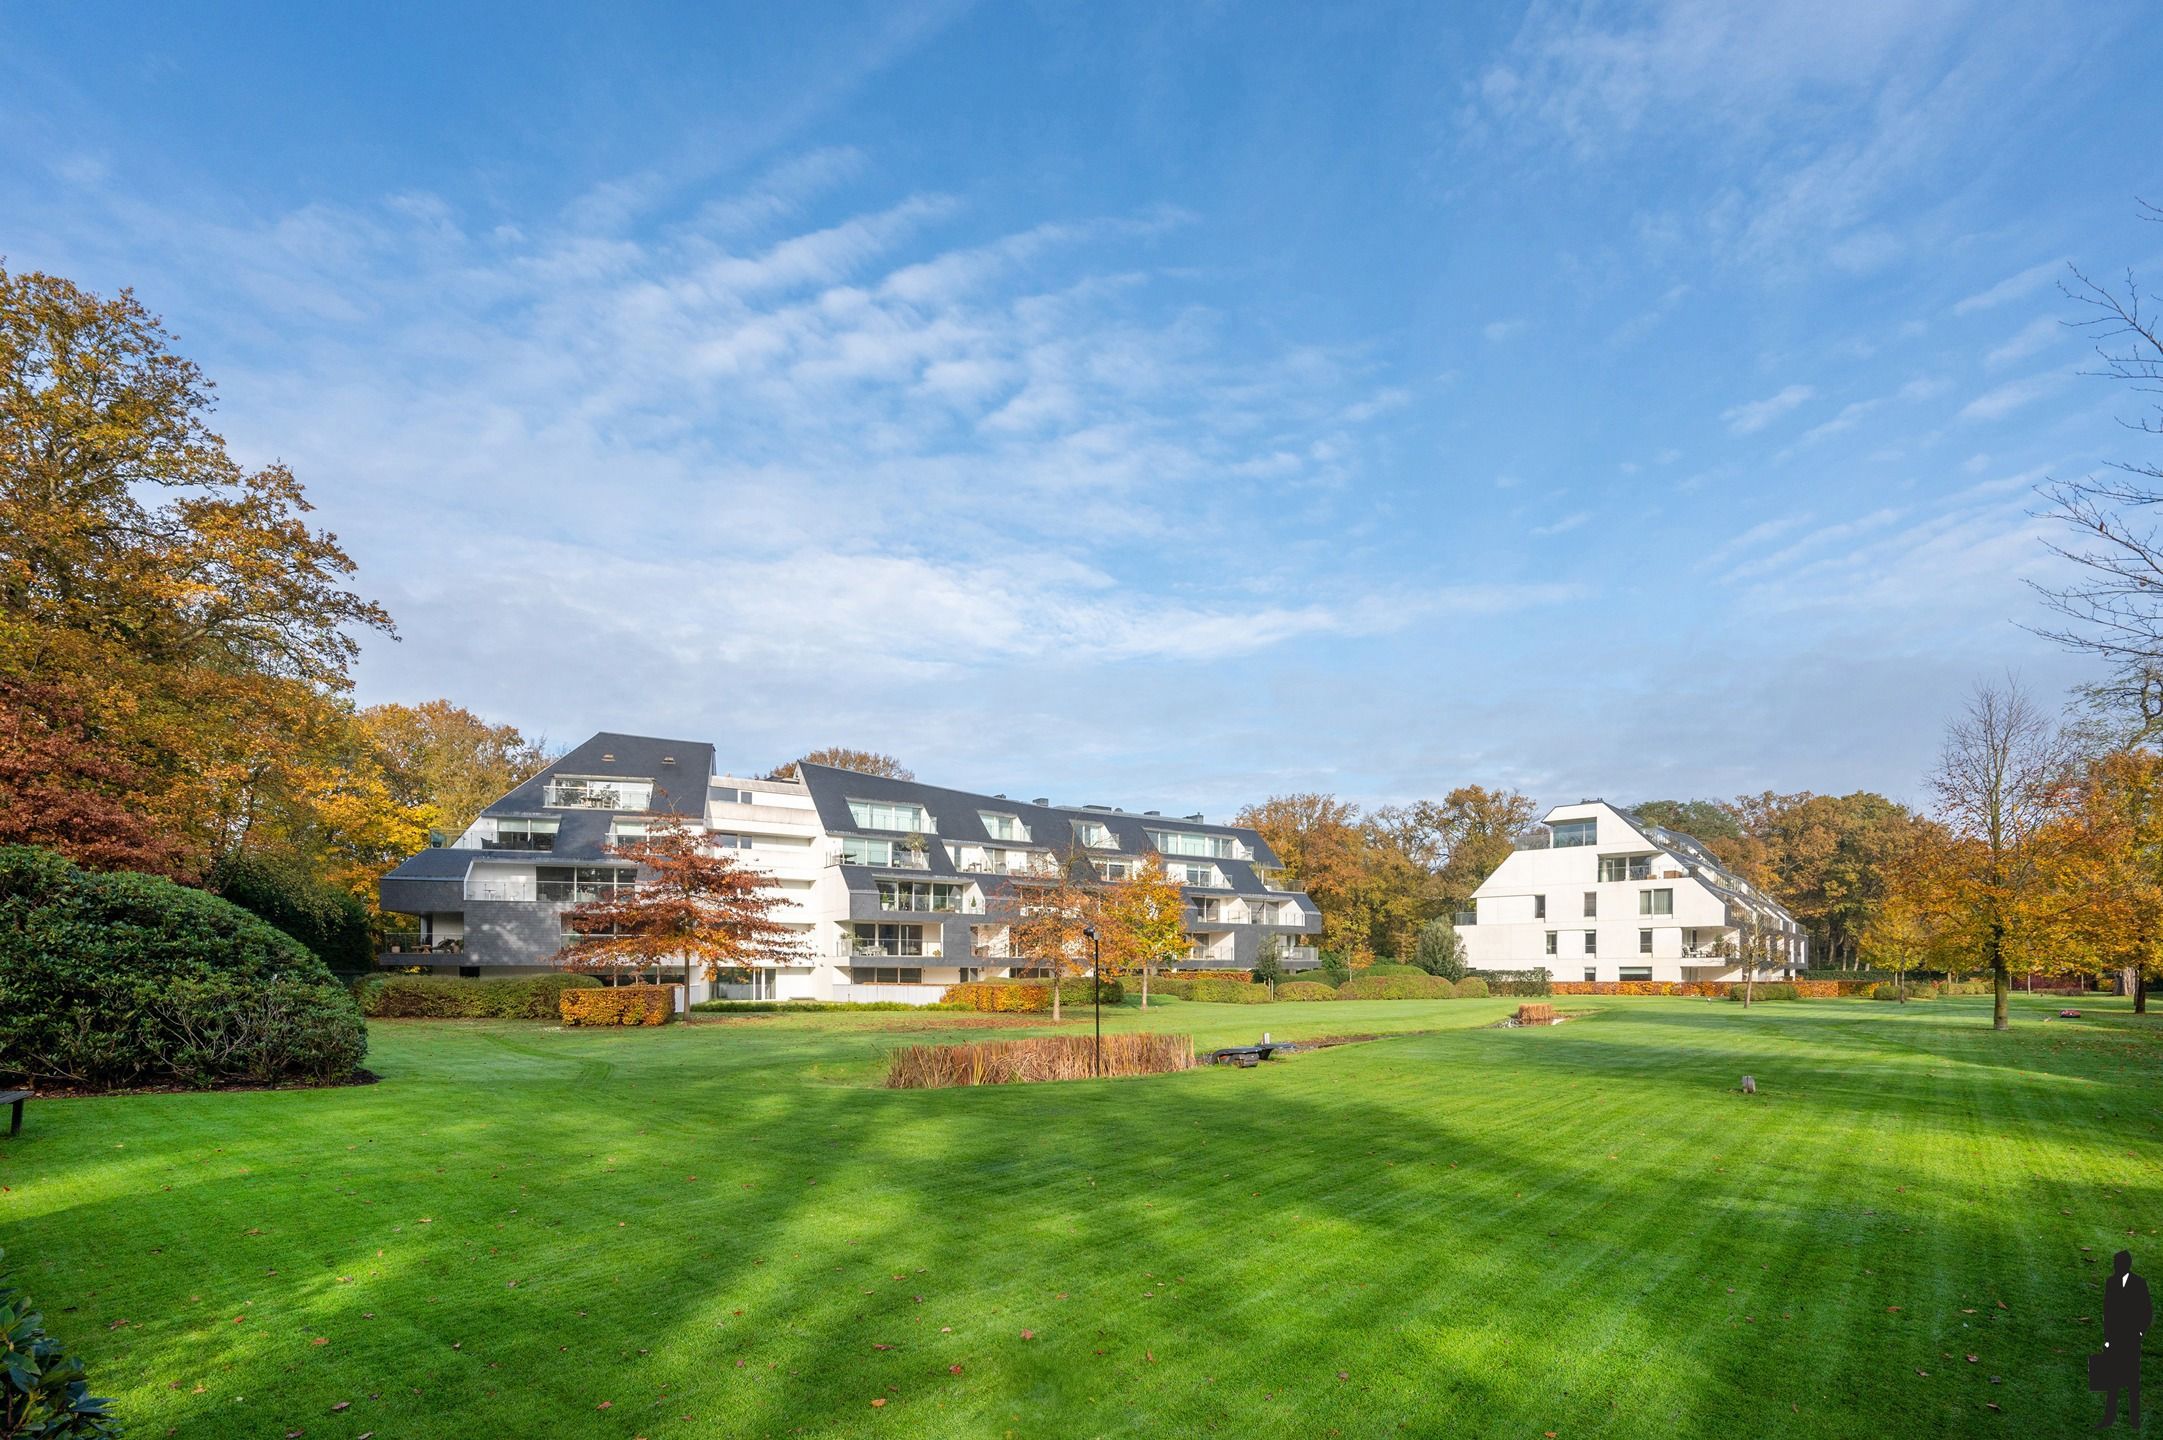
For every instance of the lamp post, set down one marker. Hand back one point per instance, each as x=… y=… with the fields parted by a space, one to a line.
x=1096 y=988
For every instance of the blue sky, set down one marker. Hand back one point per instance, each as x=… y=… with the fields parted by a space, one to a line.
x=1146 y=404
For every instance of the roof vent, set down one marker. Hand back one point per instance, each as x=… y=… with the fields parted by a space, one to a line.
x=1096 y=807
x=1196 y=817
x=1000 y=796
x=1152 y=812
x=606 y=755
x=1040 y=800
x=668 y=759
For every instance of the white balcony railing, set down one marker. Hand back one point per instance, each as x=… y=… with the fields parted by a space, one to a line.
x=890 y=949
x=1301 y=955
x=500 y=890
x=900 y=860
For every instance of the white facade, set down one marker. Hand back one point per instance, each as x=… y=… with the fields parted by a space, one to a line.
x=1598 y=895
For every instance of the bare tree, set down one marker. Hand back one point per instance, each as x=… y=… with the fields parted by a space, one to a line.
x=2113 y=608
x=2001 y=776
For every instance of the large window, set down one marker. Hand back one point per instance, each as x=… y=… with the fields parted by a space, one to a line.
x=572 y=883
x=890 y=815
x=1575 y=832
x=1208 y=877
x=517 y=834
x=863 y=850
x=1114 y=869
x=584 y=792
x=886 y=940
x=885 y=975
x=1188 y=842
x=1634 y=972
x=1003 y=827
x=723 y=840
x=1626 y=867
x=920 y=895
x=1656 y=902
x=729 y=795
x=1094 y=835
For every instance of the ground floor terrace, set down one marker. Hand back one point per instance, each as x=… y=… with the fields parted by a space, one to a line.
x=728 y=1229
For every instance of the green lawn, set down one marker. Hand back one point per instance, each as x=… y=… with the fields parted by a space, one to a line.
x=726 y=1229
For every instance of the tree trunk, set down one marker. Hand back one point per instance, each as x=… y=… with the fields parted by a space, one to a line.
x=1145 y=985
x=2140 y=989
x=2001 y=979
x=1054 y=994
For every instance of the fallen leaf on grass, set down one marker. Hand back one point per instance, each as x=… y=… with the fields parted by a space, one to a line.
x=878 y=1404
x=1028 y=1334
x=953 y=1369
x=320 y=1340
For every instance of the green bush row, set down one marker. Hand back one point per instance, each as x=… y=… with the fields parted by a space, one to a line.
x=1416 y=986
x=109 y=980
x=450 y=997
x=1304 y=990
x=1767 y=990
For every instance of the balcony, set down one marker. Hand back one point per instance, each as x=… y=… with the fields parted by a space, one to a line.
x=966 y=905
x=501 y=890
x=890 y=949
x=1301 y=955
x=575 y=796
x=898 y=860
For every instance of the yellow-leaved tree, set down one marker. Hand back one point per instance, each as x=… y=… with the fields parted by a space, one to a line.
x=1143 y=922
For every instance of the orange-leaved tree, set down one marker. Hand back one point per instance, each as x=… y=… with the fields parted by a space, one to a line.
x=1048 y=919
x=2103 y=855
x=701 y=906
x=1143 y=922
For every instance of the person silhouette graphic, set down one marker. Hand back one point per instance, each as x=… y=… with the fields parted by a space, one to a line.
x=2127 y=1314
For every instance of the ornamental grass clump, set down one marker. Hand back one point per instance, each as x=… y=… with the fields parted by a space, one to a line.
x=1022 y=1062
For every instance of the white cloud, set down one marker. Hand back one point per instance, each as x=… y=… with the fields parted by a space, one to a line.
x=1564 y=525
x=2039 y=334
x=2012 y=287
x=2005 y=399
x=1747 y=419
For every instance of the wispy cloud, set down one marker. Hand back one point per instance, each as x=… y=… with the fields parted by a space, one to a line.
x=2002 y=401
x=1748 y=419
x=1564 y=525
x=2012 y=287
x=2039 y=334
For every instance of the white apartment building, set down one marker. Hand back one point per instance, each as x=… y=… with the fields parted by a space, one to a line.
x=1597 y=894
x=894 y=887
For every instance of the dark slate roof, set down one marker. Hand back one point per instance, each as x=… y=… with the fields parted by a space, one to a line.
x=1051 y=827
x=679 y=769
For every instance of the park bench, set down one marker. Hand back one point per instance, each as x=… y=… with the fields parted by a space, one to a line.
x=16 y=1098
x=1246 y=1057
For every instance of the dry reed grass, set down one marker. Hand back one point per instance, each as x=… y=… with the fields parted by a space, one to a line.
x=1022 y=1062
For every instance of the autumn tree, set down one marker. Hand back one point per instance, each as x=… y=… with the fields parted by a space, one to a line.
x=445 y=757
x=1048 y=919
x=62 y=786
x=692 y=905
x=2102 y=854
x=195 y=621
x=1324 y=852
x=841 y=757
x=1441 y=950
x=1142 y=920
x=2001 y=777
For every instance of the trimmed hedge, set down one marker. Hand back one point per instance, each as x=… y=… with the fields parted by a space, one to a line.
x=1767 y=990
x=1304 y=990
x=620 y=1005
x=42 y=1388
x=1229 y=992
x=1889 y=991
x=1472 y=987
x=1418 y=985
x=444 y=997
x=110 y=980
x=1387 y=967
x=1026 y=996
x=1536 y=981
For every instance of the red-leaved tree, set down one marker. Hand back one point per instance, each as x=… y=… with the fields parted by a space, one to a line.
x=693 y=905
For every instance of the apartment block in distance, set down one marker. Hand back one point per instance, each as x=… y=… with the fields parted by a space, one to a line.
x=1597 y=894
x=893 y=886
